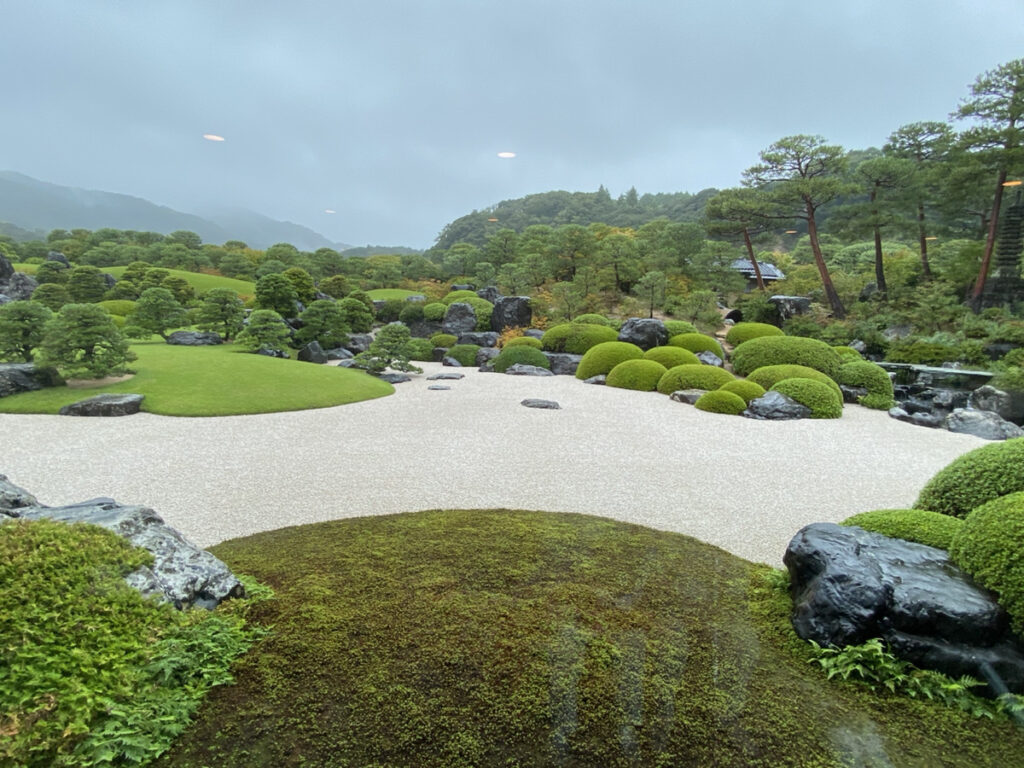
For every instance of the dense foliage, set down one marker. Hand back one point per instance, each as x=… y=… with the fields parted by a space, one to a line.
x=601 y=358
x=82 y=341
x=770 y=375
x=874 y=378
x=975 y=478
x=745 y=331
x=745 y=388
x=576 y=338
x=785 y=350
x=671 y=356
x=696 y=343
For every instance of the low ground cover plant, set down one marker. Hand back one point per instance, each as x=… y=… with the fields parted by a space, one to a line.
x=917 y=525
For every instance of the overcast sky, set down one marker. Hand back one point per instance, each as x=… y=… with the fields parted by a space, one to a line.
x=392 y=113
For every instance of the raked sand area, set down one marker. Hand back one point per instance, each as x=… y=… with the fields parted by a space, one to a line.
x=744 y=485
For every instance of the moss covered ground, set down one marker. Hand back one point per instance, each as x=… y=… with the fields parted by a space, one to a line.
x=510 y=638
x=383 y=294
x=201 y=281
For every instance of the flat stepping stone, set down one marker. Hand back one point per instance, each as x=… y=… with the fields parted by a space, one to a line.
x=532 y=402
x=521 y=369
x=437 y=387
x=446 y=376
x=104 y=405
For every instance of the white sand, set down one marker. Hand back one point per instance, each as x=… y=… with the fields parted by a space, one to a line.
x=744 y=485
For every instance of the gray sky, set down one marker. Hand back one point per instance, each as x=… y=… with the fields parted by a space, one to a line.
x=392 y=113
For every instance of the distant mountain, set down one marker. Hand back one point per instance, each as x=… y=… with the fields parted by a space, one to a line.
x=30 y=204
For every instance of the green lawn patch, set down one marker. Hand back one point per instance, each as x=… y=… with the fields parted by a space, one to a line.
x=28 y=269
x=383 y=294
x=216 y=381
x=201 y=281
x=509 y=638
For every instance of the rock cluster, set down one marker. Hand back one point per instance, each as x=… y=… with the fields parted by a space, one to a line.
x=14 y=286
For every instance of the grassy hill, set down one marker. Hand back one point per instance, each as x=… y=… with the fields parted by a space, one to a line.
x=198 y=280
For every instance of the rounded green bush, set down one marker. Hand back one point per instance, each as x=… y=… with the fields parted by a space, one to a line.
x=443 y=340
x=421 y=350
x=677 y=327
x=509 y=356
x=874 y=378
x=745 y=388
x=122 y=307
x=411 y=312
x=592 y=319
x=523 y=341
x=605 y=356
x=746 y=331
x=454 y=296
x=464 y=353
x=721 y=401
x=484 y=309
x=434 y=311
x=577 y=338
x=816 y=395
x=975 y=478
x=989 y=545
x=917 y=525
x=697 y=342
x=785 y=350
x=693 y=377
x=771 y=375
x=670 y=357
x=642 y=375
x=848 y=354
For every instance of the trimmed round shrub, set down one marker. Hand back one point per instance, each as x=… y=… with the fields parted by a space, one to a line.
x=989 y=545
x=693 y=377
x=1014 y=358
x=745 y=388
x=874 y=378
x=848 y=354
x=577 y=338
x=523 y=341
x=592 y=319
x=411 y=312
x=443 y=340
x=453 y=296
x=785 y=350
x=605 y=356
x=746 y=331
x=509 y=356
x=483 y=309
x=677 y=327
x=697 y=342
x=122 y=307
x=642 y=375
x=421 y=350
x=975 y=478
x=918 y=525
x=464 y=353
x=434 y=311
x=670 y=357
x=721 y=401
x=771 y=375
x=819 y=397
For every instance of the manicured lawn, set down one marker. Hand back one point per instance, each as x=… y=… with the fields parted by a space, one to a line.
x=507 y=638
x=28 y=269
x=383 y=294
x=201 y=282
x=217 y=381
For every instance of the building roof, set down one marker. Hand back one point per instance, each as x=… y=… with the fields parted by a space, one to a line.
x=768 y=271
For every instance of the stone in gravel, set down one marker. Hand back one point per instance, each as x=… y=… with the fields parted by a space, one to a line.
x=775 y=406
x=26 y=377
x=484 y=355
x=394 y=378
x=918 y=419
x=983 y=424
x=644 y=332
x=358 y=342
x=480 y=338
x=104 y=405
x=14 y=497
x=988 y=398
x=486 y=368
x=451 y=362
x=688 y=396
x=350 y=363
x=194 y=339
x=710 y=358
x=598 y=379
x=521 y=369
x=563 y=363
x=850 y=585
x=438 y=387
x=534 y=333
x=312 y=353
x=852 y=394
x=532 y=402
x=446 y=376
x=512 y=312
x=340 y=353
x=459 y=318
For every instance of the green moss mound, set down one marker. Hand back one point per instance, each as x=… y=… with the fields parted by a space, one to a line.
x=507 y=638
x=604 y=356
x=848 y=354
x=523 y=341
x=484 y=309
x=990 y=547
x=721 y=401
x=453 y=296
x=576 y=338
x=434 y=311
x=742 y=332
x=670 y=357
x=677 y=327
x=510 y=356
x=785 y=350
x=693 y=377
x=975 y=478
x=118 y=307
x=443 y=339
x=641 y=375
x=745 y=388
x=819 y=397
x=697 y=342
x=593 y=319
x=770 y=375
x=420 y=350
x=464 y=353
x=874 y=378
x=916 y=525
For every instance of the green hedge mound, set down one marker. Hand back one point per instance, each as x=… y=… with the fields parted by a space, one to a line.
x=420 y=350
x=697 y=342
x=605 y=356
x=434 y=311
x=819 y=397
x=510 y=356
x=721 y=401
x=464 y=353
x=641 y=375
x=670 y=357
x=874 y=378
x=990 y=547
x=975 y=478
x=443 y=339
x=677 y=327
x=523 y=341
x=742 y=332
x=848 y=354
x=785 y=350
x=745 y=388
x=770 y=375
x=576 y=338
x=591 y=318
x=693 y=377
x=454 y=296
x=918 y=525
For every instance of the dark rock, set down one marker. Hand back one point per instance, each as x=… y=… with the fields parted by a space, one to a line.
x=104 y=405
x=462 y=287
x=480 y=338
x=600 y=378
x=521 y=369
x=532 y=402
x=983 y=424
x=424 y=329
x=446 y=376
x=6 y=269
x=394 y=378
x=438 y=387
x=350 y=363
x=416 y=298
x=490 y=293
x=109 y=280
x=450 y=362
x=1009 y=405
x=868 y=291
x=512 y=312
x=26 y=377
x=710 y=358
x=914 y=405
x=775 y=406
x=563 y=363
x=320 y=296
x=926 y=419
x=19 y=287
x=460 y=318
x=852 y=394
x=858 y=345
x=194 y=339
x=998 y=349
x=358 y=342
x=312 y=353
x=736 y=315
x=340 y=353
x=900 y=331
x=850 y=585
x=438 y=354
x=534 y=333
x=268 y=352
x=5 y=299
x=644 y=332
x=688 y=396
x=486 y=368
x=13 y=497
x=484 y=355
x=790 y=306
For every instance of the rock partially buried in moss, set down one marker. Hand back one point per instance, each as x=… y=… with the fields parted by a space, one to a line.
x=775 y=406
x=532 y=402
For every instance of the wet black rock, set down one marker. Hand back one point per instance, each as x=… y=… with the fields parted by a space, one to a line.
x=645 y=332
x=775 y=406
x=104 y=405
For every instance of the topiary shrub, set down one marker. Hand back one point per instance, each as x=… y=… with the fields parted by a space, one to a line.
x=605 y=356
x=420 y=350
x=523 y=341
x=745 y=388
x=576 y=338
x=771 y=375
x=975 y=478
x=411 y=312
x=509 y=356
x=483 y=309
x=917 y=525
x=670 y=357
x=746 y=331
x=785 y=350
x=443 y=340
x=697 y=342
x=464 y=353
x=918 y=352
x=122 y=307
x=434 y=312
x=678 y=327
x=592 y=319
x=818 y=396
x=721 y=401
x=848 y=354
x=874 y=378
x=641 y=375
x=453 y=296
x=989 y=545
x=693 y=377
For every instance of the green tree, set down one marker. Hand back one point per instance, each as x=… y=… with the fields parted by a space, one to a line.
x=356 y=315
x=335 y=286
x=651 y=290
x=21 y=329
x=186 y=238
x=51 y=295
x=136 y=271
x=221 y=311
x=275 y=291
x=618 y=252
x=266 y=330
x=270 y=267
x=236 y=265
x=156 y=311
x=389 y=349
x=82 y=341
x=286 y=253
x=51 y=272
x=302 y=283
x=179 y=286
x=86 y=285
x=736 y=212
x=569 y=298
x=323 y=322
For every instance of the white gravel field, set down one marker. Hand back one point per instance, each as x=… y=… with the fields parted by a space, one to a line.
x=744 y=485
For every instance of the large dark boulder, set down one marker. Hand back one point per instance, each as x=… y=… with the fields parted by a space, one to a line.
x=922 y=419
x=775 y=406
x=459 y=319
x=1009 y=405
x=424 y=329
x=339 y=353
x=511 y=312
x=195 y=339
x=312 y=353
x=479 y=338
x=358 y=342
x=6 y=269
x=490 y=293
x=104 y=405
x=19 y=287
x=563 y=363
x=645 y=332
x=983 y=424
x=13 y=498
x=790 y=306
x=26 y=377
x=850 y=585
